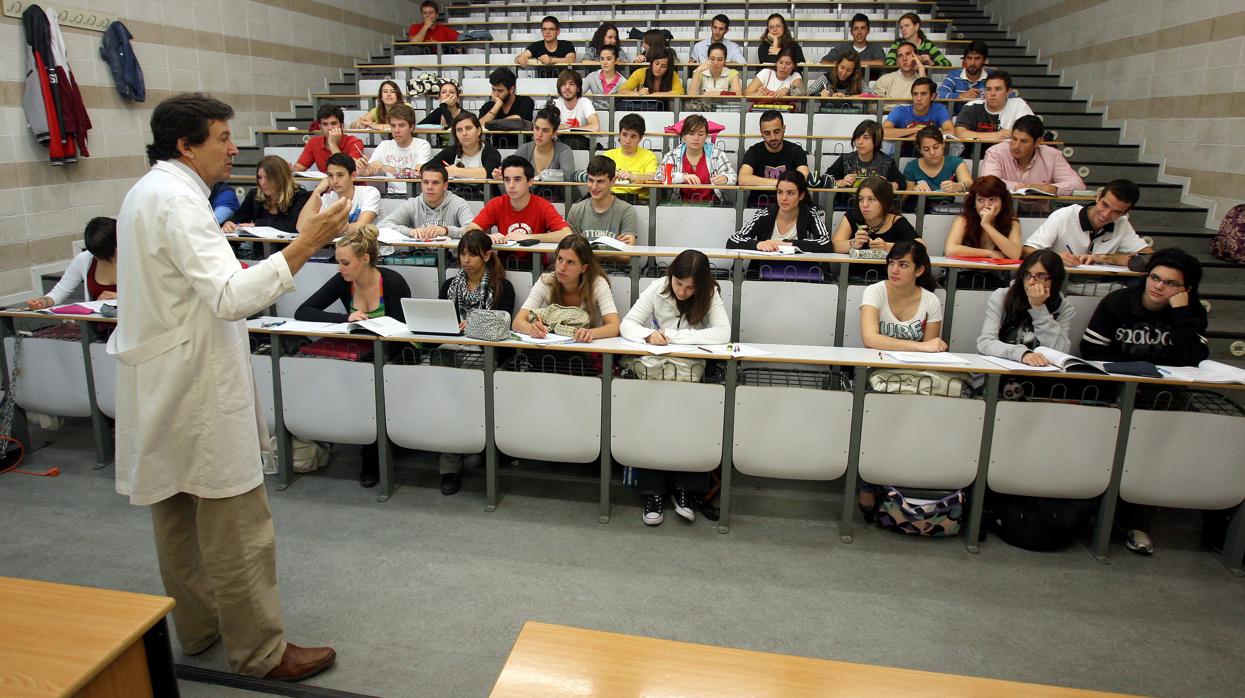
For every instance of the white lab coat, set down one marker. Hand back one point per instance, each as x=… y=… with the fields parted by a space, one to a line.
x=188 y=418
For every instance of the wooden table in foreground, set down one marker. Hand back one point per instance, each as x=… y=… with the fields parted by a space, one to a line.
x=62 y=640
x=555 y=660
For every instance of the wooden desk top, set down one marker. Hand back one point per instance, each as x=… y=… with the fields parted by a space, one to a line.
x=54 y=638
x=553 y=660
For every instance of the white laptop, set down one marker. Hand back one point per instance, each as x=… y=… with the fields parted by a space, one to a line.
x=427 y=316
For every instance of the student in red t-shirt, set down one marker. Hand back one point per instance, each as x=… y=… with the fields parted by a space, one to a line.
x=520 y=214
x=430 y=30
x=332 y=139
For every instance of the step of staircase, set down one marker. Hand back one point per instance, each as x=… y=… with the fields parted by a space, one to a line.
x=1145 y=216
x=1107 y=171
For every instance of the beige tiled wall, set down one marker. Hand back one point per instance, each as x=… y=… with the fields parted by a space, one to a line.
x=1172 y=71
x=258 y=55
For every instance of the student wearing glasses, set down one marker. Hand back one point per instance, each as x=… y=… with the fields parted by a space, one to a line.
x=1030 y=313
x=1161 y=321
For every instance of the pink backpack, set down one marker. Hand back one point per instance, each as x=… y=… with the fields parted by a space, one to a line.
x=1229 y=244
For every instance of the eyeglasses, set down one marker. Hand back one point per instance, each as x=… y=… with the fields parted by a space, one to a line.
x=1043 y=277
x=1166 y=282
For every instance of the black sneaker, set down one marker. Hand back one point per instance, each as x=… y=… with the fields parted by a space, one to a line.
x=450 y=482
x=684 y=504
x=711 y=512
x=652 y=510
x=368 y=479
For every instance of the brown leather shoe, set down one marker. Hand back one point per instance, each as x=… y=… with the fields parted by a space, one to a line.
x=300 y=663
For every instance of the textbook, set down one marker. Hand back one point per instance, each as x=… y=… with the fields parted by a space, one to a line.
x=264 y=232
x=1206 y=372
x=1016 y=365
x=384 y=326
x=1030 y=191
x=610 y=242
x=1068 y=362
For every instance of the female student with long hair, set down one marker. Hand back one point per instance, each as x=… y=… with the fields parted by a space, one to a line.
x=987 y=225
x=781 y=80
x=448 y=109
x=713 y=77
x=792 y=220
x=697 y=161
x=902 y=313
x=776 y=38
x=387 y=97
x=910 y=32
x=659 y=79
x=480 y=284
x=366 y=290
x=577 y=281
x=554 y=160
x=275 y=202
x=1030 y=313
x=605 y=35
x=846 y=79
x=872 y=223
x=684 y=308
x=934 y=170
x=470 y=157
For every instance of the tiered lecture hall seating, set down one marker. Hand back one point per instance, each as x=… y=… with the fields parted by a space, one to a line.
x=804 y=352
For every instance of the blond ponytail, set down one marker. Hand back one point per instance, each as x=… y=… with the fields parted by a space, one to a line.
x=364 y=241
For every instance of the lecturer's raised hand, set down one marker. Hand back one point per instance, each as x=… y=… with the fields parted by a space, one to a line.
x=315 y=232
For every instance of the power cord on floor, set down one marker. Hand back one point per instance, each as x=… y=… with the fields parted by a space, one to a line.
x=21 y=452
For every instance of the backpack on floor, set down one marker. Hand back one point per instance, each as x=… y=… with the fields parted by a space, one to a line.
x=1229 y=243
x=905 y=513
x=1038 y=523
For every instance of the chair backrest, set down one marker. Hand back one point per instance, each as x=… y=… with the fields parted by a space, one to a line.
x=934 y=229
x=696 y=227
x=774 y=312
x=476 y=86
x=537 y=88
x=422 y=59
x=970 y=310
x=836 y=125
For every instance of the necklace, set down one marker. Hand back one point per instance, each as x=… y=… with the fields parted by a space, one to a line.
x=874 y=229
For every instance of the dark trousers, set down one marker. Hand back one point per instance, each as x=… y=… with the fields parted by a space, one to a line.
x=651 y=482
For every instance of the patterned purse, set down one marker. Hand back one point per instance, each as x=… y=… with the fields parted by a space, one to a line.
x=488 y=325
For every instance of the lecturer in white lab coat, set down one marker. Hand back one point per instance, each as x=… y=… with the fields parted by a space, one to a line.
x=189 y=430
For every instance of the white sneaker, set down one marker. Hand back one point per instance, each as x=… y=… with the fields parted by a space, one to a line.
x=1139 y=542
x=684 y=504
x=652 y=510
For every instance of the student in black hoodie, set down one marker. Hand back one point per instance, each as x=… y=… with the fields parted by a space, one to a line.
x=1162 y=322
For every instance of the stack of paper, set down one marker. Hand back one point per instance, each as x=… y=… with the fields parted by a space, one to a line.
x=544 y=341
x=932 y=357
x=1206 y=372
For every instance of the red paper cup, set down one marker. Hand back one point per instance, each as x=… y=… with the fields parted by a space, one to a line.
x=668 y=175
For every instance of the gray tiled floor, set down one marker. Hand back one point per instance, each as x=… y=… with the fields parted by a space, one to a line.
x=424 y=595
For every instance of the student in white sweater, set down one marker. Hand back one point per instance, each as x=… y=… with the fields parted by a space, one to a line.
x=684 y=308
x=1030 y=313
x=95 y=267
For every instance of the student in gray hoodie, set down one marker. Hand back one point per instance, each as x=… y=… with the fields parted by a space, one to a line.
x=435 y=212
